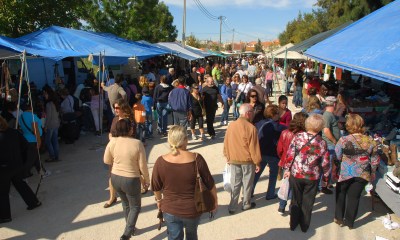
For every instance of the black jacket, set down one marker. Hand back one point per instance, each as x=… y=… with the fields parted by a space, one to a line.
x=13 y=149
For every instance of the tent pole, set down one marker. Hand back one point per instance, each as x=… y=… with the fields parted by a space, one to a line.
x=20 y=87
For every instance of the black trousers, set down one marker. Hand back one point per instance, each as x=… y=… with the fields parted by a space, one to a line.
x=15 y=177
x=32 y=159
x=348 y=195
x=303 y=197
x=210 y=117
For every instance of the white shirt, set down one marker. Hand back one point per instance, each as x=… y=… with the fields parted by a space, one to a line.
x=245 y=87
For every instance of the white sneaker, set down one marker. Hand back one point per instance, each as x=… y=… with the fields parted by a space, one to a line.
x=194 y=137
x=225 y=122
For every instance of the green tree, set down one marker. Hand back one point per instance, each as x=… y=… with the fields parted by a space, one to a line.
x=20 y=17
x=148 y=20
x=243 y=47
x=258 y=47
x=193 y=41
x=341 y=11
x=228 y=47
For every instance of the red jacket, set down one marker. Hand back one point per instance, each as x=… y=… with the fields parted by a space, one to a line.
x=283 y=144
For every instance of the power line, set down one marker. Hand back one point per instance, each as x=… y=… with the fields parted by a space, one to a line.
x=205 y=11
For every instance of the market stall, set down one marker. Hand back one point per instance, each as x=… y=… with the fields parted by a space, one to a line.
x=371 y=47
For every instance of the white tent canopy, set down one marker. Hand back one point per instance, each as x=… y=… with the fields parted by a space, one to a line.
x=282 y=49
x=291 y=55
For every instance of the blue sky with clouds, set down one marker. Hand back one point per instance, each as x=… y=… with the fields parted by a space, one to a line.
x=251 y=19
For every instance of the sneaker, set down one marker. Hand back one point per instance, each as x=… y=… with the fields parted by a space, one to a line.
x=248 y=207
x=46 y=174
x=326 y=190
x=202 y=137
x=213 y=137
x=225 y=122
x=281 y=211
x=221 y=124
x=194 y=137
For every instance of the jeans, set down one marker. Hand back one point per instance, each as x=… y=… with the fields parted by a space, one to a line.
x=162 y=117
x=241 y=175
x=272 y=162
x=149 y=124
x=96 y=118
x=348 y=195
x=283 y=203
x=176 y=224
x=180 y=118
x=52 y=142
x=128 y=190
x=225 y=113
x=235 y=109
x=269 y=88
x=288 y=86
x=141 y=132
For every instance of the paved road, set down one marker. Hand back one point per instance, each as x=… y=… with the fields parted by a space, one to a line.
x=73 y=198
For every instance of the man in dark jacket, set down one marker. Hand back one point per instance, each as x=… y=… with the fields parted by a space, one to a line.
x=211 y=96
x=181 y=103
x=13 y=148
x=160 y=97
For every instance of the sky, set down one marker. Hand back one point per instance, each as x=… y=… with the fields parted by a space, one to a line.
x=251 y=19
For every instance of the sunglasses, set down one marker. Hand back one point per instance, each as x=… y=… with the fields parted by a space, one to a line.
x=196 y=88
x=253 y=96
x=117 y=108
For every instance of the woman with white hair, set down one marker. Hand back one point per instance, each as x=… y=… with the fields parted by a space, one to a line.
x=173 y=182
x=306 y=155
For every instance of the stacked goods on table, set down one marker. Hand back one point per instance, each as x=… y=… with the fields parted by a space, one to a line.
x=378 y=102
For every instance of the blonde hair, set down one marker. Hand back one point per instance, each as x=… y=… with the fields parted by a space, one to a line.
x=354 y=123
x=313 y=103
x=143 y=81
x=315 y=123
x=177 y=137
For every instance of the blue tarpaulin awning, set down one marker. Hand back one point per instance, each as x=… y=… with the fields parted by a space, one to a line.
x=10 y=47
x=370 y=46
x=117 y=51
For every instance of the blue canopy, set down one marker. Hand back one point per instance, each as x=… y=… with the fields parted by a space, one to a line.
x=370 y=46
x=12 y=47
x=85 y=43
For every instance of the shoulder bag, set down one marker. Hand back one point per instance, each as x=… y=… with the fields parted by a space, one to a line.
x=203 y=198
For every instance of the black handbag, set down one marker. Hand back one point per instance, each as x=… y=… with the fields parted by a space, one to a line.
x=203 y=197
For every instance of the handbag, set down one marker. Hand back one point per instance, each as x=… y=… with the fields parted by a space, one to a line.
x=203 y=198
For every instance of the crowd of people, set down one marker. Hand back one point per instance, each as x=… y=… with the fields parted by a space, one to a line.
x=315 y=148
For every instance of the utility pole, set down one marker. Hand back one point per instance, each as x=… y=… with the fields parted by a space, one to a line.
x=184 y=24
x=233 y=39
x=220 y=30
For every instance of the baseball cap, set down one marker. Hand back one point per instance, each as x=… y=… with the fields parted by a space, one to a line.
x=330 y=100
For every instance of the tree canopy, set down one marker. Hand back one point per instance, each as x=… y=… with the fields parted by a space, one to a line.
x=258 y=47
x=328 y=15
x=148 y=20
x=21 y=17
